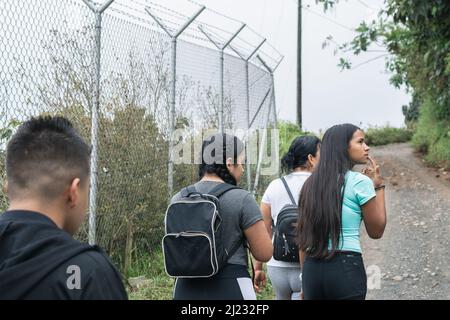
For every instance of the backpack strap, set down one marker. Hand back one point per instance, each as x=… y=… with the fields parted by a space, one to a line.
x=221 y=189
x=288 y=191
x=236 y=247
x=186 y=192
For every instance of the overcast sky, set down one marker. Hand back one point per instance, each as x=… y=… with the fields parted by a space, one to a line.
x=362 y=96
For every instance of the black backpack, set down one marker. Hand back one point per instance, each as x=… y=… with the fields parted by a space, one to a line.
x=285 y=247
x=193 y=244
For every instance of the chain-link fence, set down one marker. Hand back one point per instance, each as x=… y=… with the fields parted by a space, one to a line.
x=110 y=68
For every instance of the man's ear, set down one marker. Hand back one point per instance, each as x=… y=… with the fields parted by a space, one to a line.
x=74 y=188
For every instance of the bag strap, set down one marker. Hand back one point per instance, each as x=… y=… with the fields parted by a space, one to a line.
x=288 y=191
x=186 y=192
x=236 y=247
x=221 y=189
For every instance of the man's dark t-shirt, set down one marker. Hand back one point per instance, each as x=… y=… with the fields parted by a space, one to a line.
x=38 y=260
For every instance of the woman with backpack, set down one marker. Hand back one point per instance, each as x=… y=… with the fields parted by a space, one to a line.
x=333 y=203
x=241 y=222
x=299 y=162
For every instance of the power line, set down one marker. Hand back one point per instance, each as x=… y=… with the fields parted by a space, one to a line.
x=216 y=12
x=364 y=4
x=280 y=16
x=370 y=60
x=329 y=19
x=324 y=17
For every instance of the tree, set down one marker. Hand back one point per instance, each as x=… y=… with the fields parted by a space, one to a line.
x=416 y=34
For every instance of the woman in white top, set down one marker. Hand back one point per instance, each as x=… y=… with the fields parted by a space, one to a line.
x=299 y=162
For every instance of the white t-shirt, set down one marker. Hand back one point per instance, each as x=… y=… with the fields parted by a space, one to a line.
x=277 y=197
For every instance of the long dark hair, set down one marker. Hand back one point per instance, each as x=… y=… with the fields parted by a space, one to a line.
x=320 y=202
x=300 y=149
x=215 y=152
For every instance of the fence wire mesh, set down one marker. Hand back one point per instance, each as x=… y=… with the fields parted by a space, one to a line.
x=47 y=65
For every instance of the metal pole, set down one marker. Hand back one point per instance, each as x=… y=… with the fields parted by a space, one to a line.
x=275 y=117
x=173 y=87
x=172 y=115
x=260 y=106
x=263 y=145
x=272 y=101
x=299 y=65
x=94 y=134
x=247 y=97
x=247 y=114
x=221 y=61
x=221 y=129
x=272 y=78
x=275 y=124
x=94 y=125
x=247 y=104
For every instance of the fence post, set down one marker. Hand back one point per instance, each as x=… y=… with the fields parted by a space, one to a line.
x=173 y=88
x=221 y=49
x=275 y=122
x=98 y=11
x=272 y=102
x=262 y=146
x=247 y=106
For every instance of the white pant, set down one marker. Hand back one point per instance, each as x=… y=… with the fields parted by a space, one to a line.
x=286 y=282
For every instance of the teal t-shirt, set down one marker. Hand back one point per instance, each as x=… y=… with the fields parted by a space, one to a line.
x=358 y=190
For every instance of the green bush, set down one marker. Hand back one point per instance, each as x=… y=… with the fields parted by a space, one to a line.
x=288 y=132
x=158 y=286
x=432 y=136
x=378 y=136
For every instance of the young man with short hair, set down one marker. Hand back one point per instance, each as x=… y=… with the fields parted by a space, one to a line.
x=47 y=168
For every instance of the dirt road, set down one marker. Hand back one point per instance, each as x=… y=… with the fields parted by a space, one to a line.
x=413 y=257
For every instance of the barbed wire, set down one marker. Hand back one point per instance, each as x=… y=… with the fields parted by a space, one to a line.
x=216 y=12
x=164 y=13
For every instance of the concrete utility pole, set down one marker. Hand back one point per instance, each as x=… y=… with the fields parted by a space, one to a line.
x=299 y=65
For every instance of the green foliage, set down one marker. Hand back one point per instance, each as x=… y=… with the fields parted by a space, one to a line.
x=288 y=132
x=7 y=131
x=411 y=112
x=157 y=286
x=327 y=4
x=267 y=293
x=379 y=136
x=432 y=136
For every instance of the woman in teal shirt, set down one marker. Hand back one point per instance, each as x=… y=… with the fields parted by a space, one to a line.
x=333 y=203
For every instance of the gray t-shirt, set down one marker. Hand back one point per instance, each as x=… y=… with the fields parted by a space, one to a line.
x=239 y=211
